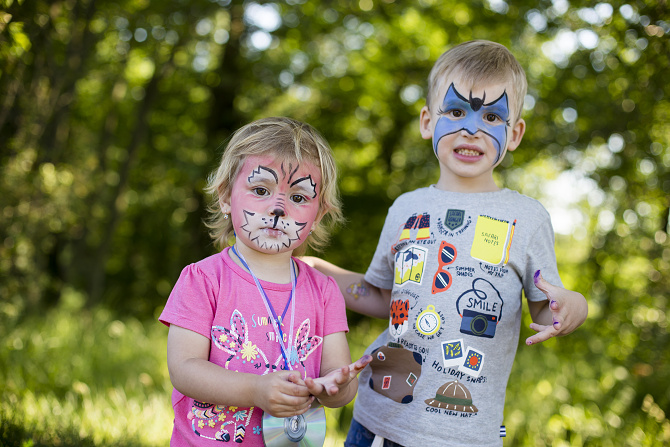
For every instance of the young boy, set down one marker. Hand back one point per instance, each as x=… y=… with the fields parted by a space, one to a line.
x=449 y=269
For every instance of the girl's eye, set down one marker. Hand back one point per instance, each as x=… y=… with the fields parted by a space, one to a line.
x=297 y=198
x=260 y=191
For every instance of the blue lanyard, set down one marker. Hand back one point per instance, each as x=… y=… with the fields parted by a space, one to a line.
x=271 y=311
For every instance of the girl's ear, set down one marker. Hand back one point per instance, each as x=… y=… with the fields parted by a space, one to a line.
x=318 y=219
x=224 y=204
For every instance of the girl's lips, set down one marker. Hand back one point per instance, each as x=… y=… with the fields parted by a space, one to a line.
x=272 y=232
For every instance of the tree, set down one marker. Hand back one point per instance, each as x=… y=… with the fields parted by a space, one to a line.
x=113 y=113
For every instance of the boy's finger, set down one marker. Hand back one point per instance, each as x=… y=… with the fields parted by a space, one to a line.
x=546 y=287
x=557 y=322
x=544 y=333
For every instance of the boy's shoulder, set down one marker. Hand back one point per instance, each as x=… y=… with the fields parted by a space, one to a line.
x=518 y=201
x=504 y=196
x=410 y=196
x=504 y=200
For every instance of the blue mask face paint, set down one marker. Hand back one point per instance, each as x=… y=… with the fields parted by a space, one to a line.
x=475 y=116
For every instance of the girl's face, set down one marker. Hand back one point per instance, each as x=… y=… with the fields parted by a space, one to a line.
x=273 y=203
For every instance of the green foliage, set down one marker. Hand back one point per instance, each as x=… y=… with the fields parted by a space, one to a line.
x=112 y=114
x=89 y=380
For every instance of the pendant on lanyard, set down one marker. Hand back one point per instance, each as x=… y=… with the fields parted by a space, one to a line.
x=276 y=322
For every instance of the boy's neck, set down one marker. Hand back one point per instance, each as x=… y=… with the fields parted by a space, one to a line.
x=274 y=268
x=466 y=185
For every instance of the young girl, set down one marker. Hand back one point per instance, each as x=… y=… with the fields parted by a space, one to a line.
x=253 y=329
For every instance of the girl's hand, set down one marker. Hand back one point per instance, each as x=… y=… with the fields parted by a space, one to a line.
x=283 y=394
x=333 y=382
x=566 y=311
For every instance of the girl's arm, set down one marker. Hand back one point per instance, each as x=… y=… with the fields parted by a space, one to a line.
x=281 y=394
x=359 y=296
x=338 y=383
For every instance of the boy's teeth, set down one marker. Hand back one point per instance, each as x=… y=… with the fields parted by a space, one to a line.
x=469 y=152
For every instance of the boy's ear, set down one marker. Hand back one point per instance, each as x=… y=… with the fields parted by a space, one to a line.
x=425 y=118
x=517 y=134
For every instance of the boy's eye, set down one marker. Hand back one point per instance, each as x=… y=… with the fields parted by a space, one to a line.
x=456 y=113
x=491 y=117
x=259 y=191
x=297 y=198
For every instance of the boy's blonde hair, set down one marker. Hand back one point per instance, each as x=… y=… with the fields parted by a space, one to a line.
x=480 y=61
x=286 y=139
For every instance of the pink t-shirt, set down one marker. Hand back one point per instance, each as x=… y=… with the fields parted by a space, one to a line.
x=219 y=300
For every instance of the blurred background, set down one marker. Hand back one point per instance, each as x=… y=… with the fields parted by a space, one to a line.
x=112 y=114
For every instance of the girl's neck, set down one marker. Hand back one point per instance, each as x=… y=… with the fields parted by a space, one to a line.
x=274 y=268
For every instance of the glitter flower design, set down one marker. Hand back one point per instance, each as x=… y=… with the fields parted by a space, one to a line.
x=249 y=351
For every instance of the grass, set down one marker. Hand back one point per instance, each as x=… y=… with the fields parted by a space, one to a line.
x=77 y=377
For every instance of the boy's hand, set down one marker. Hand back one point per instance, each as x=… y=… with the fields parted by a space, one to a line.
x=331 y=384
x=566 y=311
x=283 y=394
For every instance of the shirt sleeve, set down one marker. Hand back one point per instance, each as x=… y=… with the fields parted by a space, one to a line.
x=380 y=273
x=192 y=302
x=335 y=311
x=541 y=256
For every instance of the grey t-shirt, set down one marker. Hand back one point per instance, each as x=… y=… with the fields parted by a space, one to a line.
x=456 y=264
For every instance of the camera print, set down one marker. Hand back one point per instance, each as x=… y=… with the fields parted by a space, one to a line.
x=480 y=309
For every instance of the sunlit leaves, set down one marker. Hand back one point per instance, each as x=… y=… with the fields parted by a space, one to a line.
x=111 y=117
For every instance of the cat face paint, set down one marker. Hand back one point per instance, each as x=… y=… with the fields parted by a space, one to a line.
x=473 y=115
x=274 y=204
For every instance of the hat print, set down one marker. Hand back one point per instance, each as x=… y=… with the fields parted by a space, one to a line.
x=453 y=395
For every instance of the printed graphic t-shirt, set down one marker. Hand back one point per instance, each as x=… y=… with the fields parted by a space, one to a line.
x=456 y=264
x=219 y=300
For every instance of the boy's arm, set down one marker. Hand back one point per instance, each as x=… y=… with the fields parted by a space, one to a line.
x=338 y=383
x=561 y=313
x=281 y=394
x=359 y=295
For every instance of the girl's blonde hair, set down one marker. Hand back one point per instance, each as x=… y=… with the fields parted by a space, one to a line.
x=288 y=140
x=479 y=61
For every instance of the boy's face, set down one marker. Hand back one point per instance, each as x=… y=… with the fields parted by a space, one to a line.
x=273 y=204
x=471 y=128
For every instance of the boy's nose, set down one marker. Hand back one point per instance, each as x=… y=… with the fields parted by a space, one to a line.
x=469 y=130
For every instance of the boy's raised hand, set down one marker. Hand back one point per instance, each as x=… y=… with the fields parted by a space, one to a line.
x=565 y=312
x=331 y=384
x=283 y=394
